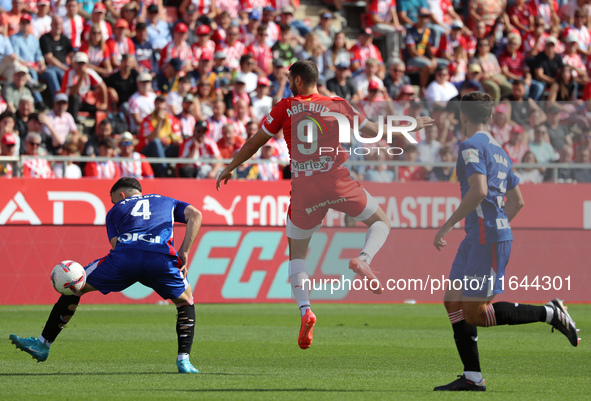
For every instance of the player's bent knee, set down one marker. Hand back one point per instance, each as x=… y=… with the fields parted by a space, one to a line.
x=475 y=316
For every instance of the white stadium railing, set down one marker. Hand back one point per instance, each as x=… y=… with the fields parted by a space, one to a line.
x=18 y=161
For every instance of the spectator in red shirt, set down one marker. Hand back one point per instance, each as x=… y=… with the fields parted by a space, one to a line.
x=411 y=173
x=229 y=143
x=160 y=135
x=137 y=168
x=516 y=147
x=107 y=169
x=99 y=55
x=261 y=52
x=204 y=44
x=78 y=83
x=513 y=66
x=199 y=146
x=120 y=43
x=521 y=16
x=98 y=18
x=363 y=50
x=35 y=168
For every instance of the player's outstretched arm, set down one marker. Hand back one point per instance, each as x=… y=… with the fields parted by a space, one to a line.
x=514 y=202
x=193 y=217
x=475 y=195
x=249 y=148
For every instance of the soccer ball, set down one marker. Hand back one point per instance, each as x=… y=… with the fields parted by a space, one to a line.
x=68 y=277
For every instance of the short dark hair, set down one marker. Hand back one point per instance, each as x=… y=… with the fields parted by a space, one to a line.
x=105 y=122
x=246 y=58
x=518 y=82
x=477 y=106
x=305 y=69
x=7 y=114
x=126 y=183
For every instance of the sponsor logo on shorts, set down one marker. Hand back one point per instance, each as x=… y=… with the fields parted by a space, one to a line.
x=327 y=203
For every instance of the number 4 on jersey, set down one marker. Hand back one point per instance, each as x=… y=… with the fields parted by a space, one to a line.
x=142 y=208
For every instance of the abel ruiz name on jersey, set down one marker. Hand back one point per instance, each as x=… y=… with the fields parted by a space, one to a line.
x=312 y=107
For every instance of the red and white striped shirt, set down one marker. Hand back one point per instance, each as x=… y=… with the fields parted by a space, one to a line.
x=171 y=50
x=37 y=168
x=91 y=80
x=574 y=60
x=106 y=29
x=273 y=32
x=198 y=50
x=269 y=171
x=117 y=49
x=73 y=28
x=203 y=6
x=262 y=55
x=207 y=149
x=230 y=6
x=108 y=169
x=246 y=36
x=137 y=168
x=583 y=36
x=215 y=127
x=187 y=125
x=360 y=54
x=118 y=5
x=96 y=56
x=516 y=152
x=249 y=5
x=233 y=53
x=501 y=134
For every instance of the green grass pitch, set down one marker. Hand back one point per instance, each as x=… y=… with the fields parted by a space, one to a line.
x=249 y=351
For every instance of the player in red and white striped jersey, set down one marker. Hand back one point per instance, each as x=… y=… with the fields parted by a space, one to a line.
x=320 y=181
x=73 y=24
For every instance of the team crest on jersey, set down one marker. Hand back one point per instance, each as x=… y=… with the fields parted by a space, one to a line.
x=470 y=155
x=269 y=119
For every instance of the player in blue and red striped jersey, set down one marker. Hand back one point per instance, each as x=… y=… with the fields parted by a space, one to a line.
x=140 y=231
x=486 y=178
x=319 y=181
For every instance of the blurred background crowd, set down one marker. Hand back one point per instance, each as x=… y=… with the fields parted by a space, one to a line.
x=193 y=79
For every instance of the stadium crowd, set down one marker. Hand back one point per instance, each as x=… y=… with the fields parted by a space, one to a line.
x=194 y=79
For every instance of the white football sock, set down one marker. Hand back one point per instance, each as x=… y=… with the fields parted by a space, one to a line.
x=475 y=377
x=182 y=356
x=549 y=314
x=300 y=284
x=374 y=239
x=44 y=341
